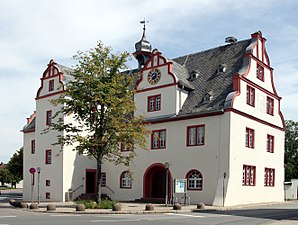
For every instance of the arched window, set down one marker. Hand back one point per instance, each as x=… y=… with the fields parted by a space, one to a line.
x=125 y=180
x=194 y=180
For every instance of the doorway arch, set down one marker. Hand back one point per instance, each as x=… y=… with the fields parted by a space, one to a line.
x=154 y=181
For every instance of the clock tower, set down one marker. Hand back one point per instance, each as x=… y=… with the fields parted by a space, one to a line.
x=143 y=48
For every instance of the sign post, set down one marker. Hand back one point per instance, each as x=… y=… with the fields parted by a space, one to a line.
x=32 y=170
x=38 y=184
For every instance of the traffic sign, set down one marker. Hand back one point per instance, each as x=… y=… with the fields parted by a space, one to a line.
x=32 y=170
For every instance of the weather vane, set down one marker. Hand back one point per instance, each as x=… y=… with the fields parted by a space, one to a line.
x=144 y=22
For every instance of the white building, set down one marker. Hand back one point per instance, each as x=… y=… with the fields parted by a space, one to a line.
x=215 y=119
x=291 y=189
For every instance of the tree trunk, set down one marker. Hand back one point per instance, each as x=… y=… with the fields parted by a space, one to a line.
x=98 y=180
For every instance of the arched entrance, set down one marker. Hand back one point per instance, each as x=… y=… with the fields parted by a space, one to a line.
x=154 y=181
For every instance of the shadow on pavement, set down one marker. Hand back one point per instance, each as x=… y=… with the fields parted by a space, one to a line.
x=272 y=213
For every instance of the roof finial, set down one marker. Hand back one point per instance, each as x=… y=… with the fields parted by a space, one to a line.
x=143 y=47
x=144 y=28
x=144 y=22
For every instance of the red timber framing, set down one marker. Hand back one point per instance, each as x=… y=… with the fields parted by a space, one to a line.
x=49 y=75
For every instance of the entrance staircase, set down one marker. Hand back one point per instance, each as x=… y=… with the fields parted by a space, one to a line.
x=151 y=200
x=92 y=197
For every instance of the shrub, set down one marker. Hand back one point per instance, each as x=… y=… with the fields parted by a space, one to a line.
x=104 y=204
x=89 y=204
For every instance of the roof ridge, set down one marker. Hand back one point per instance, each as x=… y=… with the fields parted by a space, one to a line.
x=206 y=50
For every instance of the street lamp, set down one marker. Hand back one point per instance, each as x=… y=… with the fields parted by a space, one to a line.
x=38 y=184
x=167 y=165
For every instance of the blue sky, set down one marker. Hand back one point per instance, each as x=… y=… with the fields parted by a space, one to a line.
x=34 y=31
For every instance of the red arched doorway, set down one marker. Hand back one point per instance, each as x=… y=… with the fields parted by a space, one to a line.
x=154 y=183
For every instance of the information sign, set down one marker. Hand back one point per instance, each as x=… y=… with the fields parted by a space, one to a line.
x=180 y=186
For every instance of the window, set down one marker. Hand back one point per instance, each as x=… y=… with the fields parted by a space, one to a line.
x=103 y=179
x=48 y=195
x=48 y=183
x=48 y=156
x=250 y=96
x=260 y=72
x=270 y=106
x=270 y=143
x=124 y=148
x=269 y=177
x=125 y=180
x=32 y=146
x=249 y=175
x=196 y=135
x=49 y=118
x=194 y=180
x=158 y=139
x=249 y=138
x=51 y=85
x=154 y=103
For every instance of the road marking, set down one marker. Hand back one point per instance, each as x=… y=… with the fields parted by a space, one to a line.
x=117 y=221
x=63 y=215
x=186 y=215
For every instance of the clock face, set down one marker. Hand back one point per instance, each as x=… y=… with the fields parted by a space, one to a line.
x=154 y=76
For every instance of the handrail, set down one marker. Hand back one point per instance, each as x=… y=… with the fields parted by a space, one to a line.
x=78 y=187
x=110 y=189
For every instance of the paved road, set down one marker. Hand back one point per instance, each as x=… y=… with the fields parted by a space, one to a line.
x=156 y=219
x=285 y=214
x=272 y=215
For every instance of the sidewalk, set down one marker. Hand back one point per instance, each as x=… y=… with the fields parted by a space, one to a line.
x=137 y=208
x=126 y=208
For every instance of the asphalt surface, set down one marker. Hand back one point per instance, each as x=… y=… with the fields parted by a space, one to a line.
x=135 y=213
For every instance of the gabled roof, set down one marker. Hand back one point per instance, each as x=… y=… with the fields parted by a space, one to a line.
x=182 y=73
x=209 y=80
x=67 y=77
x=29 y=127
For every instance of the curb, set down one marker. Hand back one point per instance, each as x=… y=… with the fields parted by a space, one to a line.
x=112 y=212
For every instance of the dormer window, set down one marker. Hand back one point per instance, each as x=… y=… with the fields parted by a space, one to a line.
x=222 y=68
x=193 y=75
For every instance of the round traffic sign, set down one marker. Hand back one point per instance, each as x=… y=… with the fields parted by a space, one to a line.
x=32 y=170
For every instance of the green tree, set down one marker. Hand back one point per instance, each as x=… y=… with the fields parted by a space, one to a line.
x=15 y=166
x=5 y=176
x=100 y=100
x=291 y=150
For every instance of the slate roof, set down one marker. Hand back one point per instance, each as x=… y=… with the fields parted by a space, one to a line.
x=182 y=73
x=209 y=90
x=67 y=77
x=210 y=83
x=30 y=126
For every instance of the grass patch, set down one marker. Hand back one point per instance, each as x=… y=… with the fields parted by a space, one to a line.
x=104 y=204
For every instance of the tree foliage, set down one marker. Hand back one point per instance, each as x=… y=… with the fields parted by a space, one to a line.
x=100 y=101
x=291 y=150
x=5 y=176
x=13 y=172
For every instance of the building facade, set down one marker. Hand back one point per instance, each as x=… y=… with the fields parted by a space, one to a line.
x=214 y=118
